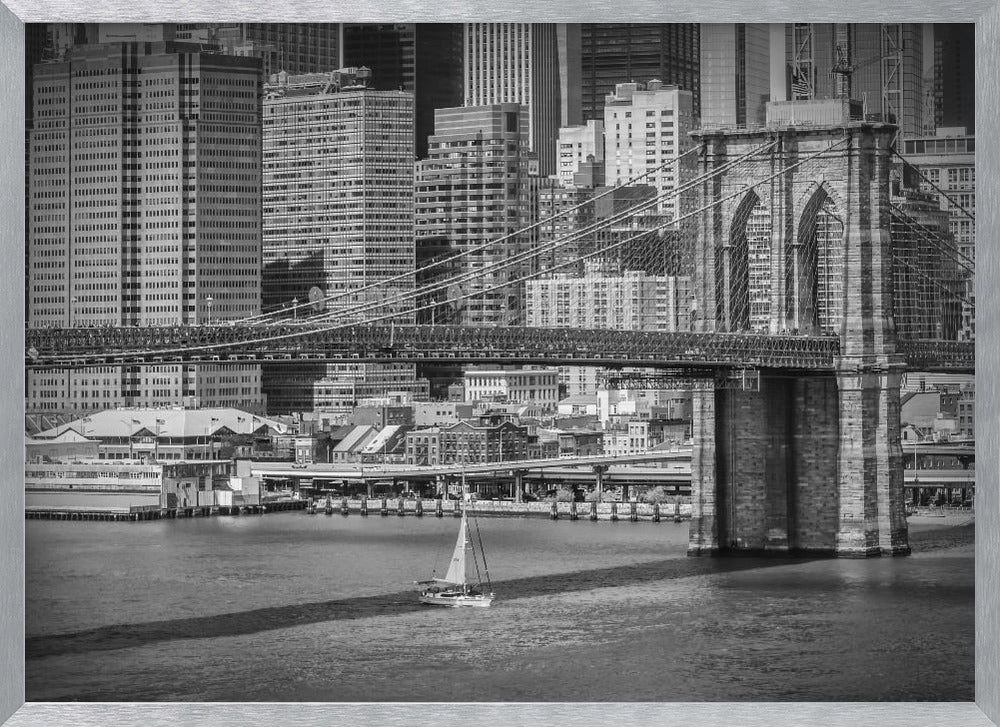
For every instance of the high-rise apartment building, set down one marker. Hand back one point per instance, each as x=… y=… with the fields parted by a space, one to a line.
x=877 y=64
x=144 y=210
x=517 y=63
x=735 y=74
x=599 y=299
x=473 y=189
x=947 y=163
x=645 y=127
x=338 y=192
x=422 y=58
x=338 y=220
x=614 y=53
x=577 y=146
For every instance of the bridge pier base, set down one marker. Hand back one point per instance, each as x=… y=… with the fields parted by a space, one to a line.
x=870 y=461
x=798 y=467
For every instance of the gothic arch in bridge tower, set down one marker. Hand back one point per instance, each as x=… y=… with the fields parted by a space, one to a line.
x=814 y=263
x=735 y=266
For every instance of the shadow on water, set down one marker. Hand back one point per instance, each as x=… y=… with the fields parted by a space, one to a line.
x=241 y=623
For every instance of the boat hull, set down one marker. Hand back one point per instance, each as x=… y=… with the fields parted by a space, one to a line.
x=457 y=600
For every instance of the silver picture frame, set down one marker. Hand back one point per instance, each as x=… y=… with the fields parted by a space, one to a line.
x=981 y=713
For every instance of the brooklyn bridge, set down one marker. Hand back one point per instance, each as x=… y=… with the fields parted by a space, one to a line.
x=856 y=288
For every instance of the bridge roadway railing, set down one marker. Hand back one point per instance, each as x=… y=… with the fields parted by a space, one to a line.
x=958 y=357
x=75 y=347
x=92 y=346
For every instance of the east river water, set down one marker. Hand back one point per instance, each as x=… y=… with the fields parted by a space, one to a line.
x=290 y=607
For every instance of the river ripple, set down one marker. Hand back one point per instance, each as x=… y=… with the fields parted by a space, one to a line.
x=295 y=607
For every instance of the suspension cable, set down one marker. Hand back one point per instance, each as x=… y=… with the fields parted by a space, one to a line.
x=939 y=190
x=478 y=248
x=330 y=328
x=546 y=248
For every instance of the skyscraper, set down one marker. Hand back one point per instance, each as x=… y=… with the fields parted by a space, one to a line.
x=290 y=47
x=878 y=64
x=616 y=53
x=472 y=189
x=145 y=209
x=518 y=63
x=735 y=74
x=338 y=218
x=422 y=58
x=955 y=75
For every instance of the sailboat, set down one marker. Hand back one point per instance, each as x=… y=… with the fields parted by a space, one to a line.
x=455 y=589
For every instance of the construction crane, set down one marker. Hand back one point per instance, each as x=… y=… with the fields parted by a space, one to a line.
x=844 y=70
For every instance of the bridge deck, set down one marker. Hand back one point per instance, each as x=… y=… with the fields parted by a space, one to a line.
x=287 y=343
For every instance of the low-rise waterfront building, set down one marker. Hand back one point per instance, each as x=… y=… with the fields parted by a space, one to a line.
x=530 y=386
x=92 y=476
x=466 y=443
x=578 y=405
x=171 y=434
x=216 y=483
x=388 y=446
x=581 y=443
x=350 y=447
x=440 y=413
x=69 y=444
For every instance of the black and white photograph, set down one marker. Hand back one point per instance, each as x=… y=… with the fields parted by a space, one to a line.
x=499 y=362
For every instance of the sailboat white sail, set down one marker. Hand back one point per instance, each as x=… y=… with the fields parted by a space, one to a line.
x=456 y=568
x=454 y=589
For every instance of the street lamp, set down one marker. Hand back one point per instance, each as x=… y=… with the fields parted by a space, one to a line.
x=295 y=308
x=209 y=301
x=72 y=312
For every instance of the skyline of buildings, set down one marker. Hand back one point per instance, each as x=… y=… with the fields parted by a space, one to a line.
x=205 y=190
x=145 y=209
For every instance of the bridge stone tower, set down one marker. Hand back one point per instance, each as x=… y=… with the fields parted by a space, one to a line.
x=800 y=243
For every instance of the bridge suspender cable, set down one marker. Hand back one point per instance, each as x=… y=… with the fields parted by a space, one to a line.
x=935 y=239
x=477 y=248
x=545 y=249
x=311 y=330
x=940 y=191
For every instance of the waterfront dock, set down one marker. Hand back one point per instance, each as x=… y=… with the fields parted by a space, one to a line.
x=629 y=511
x=138 y=513
x=633 y=511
